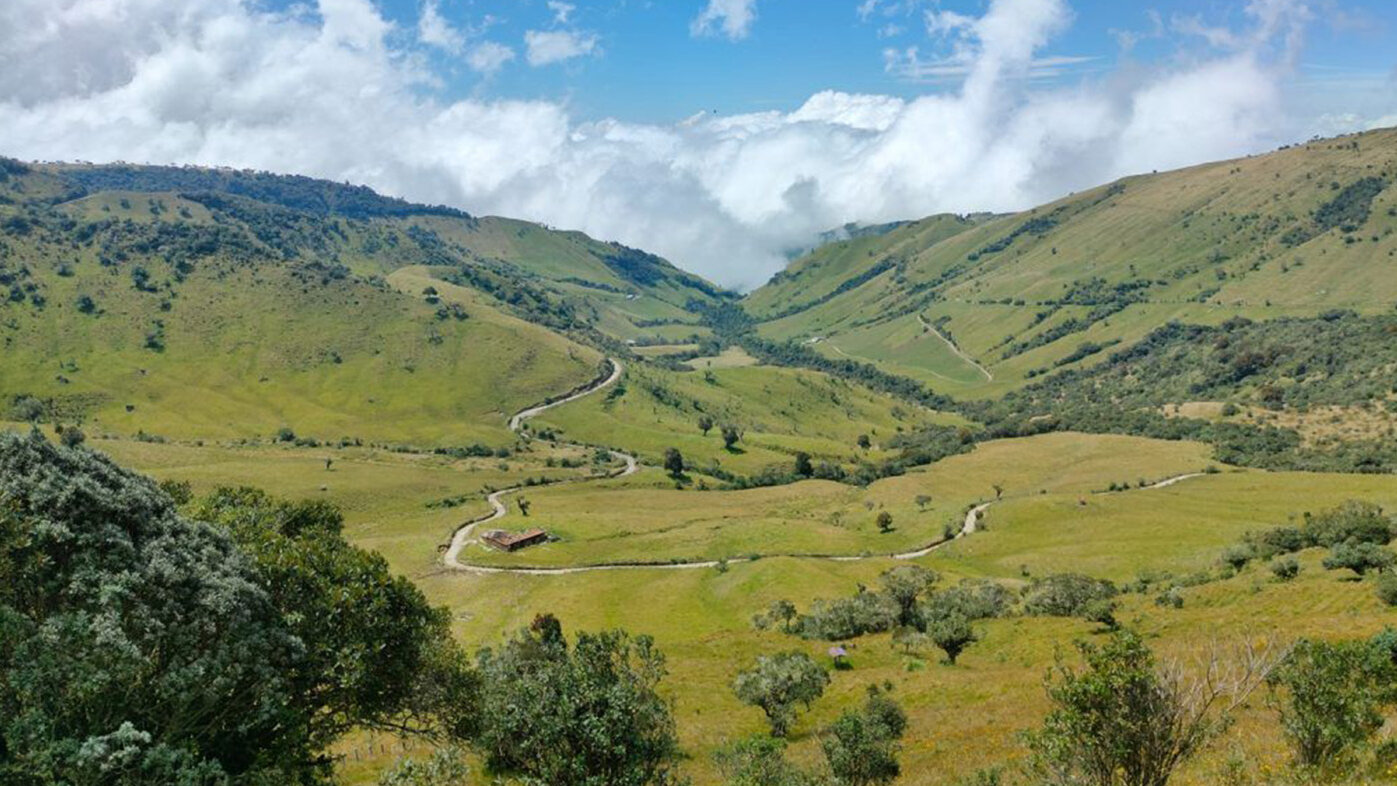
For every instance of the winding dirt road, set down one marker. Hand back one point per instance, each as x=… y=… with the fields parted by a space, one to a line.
x=465 y=533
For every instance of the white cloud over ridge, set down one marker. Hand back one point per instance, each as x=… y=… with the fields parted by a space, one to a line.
x=325 y=93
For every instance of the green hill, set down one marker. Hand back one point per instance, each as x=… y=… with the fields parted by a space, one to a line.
x=977 y=307
x=213 y=304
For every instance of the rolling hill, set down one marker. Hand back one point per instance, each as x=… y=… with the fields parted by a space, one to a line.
x=197 y=303
x=976 y=306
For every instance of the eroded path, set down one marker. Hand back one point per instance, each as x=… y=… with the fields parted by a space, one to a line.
x=957 y=350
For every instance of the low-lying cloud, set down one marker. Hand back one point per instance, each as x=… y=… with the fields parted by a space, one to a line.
x=338 y=92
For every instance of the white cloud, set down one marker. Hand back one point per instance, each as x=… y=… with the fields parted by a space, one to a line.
x=731 y=18
x=433 y=29
x=562 y=12
x=546 y=47
x=324 y=92
x=487 y=57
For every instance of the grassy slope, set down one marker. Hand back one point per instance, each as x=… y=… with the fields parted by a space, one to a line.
x=1210 y=237
x=781 y=410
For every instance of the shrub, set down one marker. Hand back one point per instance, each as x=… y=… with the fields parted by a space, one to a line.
x=1285 y=568
x=952 y=634
x=846 y=618
x=1359 y=557
x=1237 y=557
x=861 y=746
x=1387 y=588
x=1065 y=594
x=972 y=599
x=1361 y=522
x=1280 y=540
x=1329 y=697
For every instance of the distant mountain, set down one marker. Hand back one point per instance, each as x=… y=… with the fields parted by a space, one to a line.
x=975 y=306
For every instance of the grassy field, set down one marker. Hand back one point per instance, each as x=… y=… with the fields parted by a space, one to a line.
x=781 y=411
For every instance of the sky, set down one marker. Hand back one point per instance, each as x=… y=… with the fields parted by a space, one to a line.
x=718 y=133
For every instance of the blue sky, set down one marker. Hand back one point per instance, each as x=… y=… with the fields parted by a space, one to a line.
x=717 y=133
x=648 y=66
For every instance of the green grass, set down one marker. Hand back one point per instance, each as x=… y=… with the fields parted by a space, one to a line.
x=1210 y=238
x=782 y=411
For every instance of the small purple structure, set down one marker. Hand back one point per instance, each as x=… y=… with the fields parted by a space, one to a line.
x=839 y=654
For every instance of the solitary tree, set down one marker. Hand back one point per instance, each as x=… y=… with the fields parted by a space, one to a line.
x=803 y=466
x=777 y=683
x=884 y=522
x=524 y=505
x=705 y=424
x=674 y=462
x=730 y=436
x=998 y=490
x=864 y=442
x=782 y=611
x=952 y=633
x=72 y=436
x=922 y=501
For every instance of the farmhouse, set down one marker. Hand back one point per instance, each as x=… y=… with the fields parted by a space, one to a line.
x=510 y=541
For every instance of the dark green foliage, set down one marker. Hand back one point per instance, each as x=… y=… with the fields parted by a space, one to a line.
x=731 y=436
x=1352 y=522
x=861 y=745
x=971 y=599
x=1330 y=697
x=319 y=197
x=1237 y=557
x=777 y=683
x=1279 y=540
x=375 y=652
x=884 y=522
x=674 y=462
x=585 y=715
x=72 y=437
x=803 y=467
x=1359 y=557
x=1349 y=210
x=1065 y=595
x=1387 y=588
x=135 y=646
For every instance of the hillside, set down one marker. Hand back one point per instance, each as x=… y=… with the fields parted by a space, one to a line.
x=975 y=308
x=199 y=303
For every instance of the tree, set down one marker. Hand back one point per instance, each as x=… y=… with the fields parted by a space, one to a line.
x=1065 y=594
x=1387 y=589
x=524 y=505
x=906 y=584
x=27 y=409
x=803 y=466
x=705 y=424
x=1359 y=557
x=136 y=645
x=884 y=522
x=1126 y=720
x=782 y=611
x=861 y=746
x=674 y=462
x=777 y=683
x=952 y=634
x=730 y=436
x=1329 y=697
x=584 y=715
x=1102 y=612
x=760 y=760
x=864 y=442
x=922 y=501
x=998 y=490
x=376 y=654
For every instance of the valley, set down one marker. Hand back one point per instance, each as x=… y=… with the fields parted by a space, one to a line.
x=1121 y=388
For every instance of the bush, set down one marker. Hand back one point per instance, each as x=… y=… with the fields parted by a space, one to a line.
x=1065 y=594
x=972 y=599
x=952 y=634
x=1285 y=568
x=861 y=746
x=1387 y=589
x=1237 y=557
x=1359 y=557
x=1281 y=540
x=1330 y=696
x=776 y=683
x=847 y=618
x=1360 y=522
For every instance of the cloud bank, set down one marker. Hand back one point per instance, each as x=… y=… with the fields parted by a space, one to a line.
x=335 y=91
